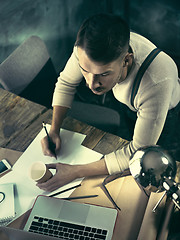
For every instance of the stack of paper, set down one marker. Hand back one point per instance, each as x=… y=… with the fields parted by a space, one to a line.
x=72 y=152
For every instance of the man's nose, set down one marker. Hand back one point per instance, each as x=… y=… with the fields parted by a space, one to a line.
x=92 y=81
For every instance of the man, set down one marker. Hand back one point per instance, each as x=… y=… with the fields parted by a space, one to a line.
x=108 y=56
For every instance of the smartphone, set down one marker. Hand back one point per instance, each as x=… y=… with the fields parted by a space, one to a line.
x=4 y=166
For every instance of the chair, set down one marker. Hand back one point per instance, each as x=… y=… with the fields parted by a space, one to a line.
x=29 y=72
x=104 y=118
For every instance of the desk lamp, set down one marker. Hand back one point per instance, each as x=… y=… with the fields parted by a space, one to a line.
x=154 y=170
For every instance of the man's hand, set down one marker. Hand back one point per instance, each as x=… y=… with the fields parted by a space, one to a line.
x=45 y=145
x=65 y=173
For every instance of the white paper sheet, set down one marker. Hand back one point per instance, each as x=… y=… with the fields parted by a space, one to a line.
x=72 y=152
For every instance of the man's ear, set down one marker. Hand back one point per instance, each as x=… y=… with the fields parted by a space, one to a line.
x=128 y=59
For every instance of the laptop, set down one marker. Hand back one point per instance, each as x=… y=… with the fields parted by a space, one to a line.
x=63 y=219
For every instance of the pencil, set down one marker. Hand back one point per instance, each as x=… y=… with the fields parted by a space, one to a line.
x=52 y=146
x=80 y=197
x=65 y=190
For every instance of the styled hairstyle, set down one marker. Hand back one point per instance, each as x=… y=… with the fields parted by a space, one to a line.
x=104 y=37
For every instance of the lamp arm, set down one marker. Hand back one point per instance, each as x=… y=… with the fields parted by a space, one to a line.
x=172 y=189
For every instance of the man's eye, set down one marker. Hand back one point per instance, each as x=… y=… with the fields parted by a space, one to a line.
x=104 y=74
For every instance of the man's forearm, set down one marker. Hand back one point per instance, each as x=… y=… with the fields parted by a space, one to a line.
x=92 y=169
x=59 y=113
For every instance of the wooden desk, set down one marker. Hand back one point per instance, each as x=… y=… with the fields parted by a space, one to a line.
x=20 y=122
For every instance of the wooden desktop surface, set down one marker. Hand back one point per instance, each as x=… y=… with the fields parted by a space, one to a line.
x=20 y=122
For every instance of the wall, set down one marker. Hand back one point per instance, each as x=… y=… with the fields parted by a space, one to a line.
x=57 y=21
x=158 y=21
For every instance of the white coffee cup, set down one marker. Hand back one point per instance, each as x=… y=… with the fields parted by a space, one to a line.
x=39 y=172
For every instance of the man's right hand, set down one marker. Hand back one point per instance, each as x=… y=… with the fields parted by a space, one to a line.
x=45 y=145
x=59 y=114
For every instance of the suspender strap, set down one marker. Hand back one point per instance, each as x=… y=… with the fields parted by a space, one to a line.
x=141 y=72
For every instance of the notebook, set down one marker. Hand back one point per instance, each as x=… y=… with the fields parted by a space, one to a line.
x=7 y=207
x=64 y=219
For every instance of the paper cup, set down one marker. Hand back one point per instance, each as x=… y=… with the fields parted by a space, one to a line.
x=39 y=172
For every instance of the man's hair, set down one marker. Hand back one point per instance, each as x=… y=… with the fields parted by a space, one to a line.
x=103 y=37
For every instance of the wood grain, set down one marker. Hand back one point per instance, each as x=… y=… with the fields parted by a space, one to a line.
x=16 y=114
x=21 y=120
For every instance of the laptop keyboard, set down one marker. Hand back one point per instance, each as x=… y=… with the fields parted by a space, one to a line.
x=65 y=230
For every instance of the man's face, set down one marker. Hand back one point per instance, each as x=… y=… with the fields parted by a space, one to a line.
x=100 y=78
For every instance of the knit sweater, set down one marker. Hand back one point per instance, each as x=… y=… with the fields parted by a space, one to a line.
x=159 y=91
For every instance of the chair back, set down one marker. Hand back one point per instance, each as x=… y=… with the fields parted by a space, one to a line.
x=21 y=73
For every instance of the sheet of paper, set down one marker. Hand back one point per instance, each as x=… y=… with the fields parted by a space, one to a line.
x=72 y=152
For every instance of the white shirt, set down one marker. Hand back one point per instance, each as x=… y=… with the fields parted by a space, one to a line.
x=158 y=92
